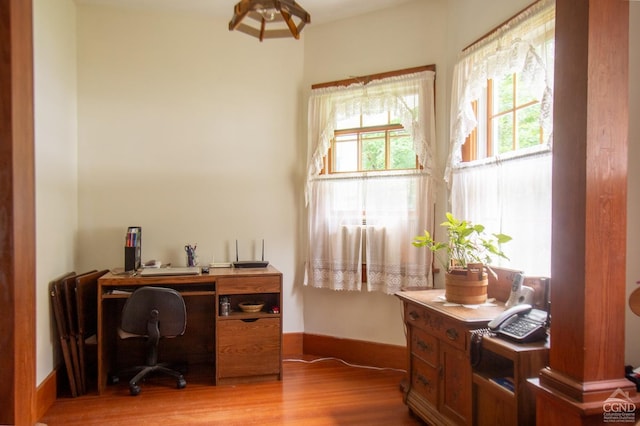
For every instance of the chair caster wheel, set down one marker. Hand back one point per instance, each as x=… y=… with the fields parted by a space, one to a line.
x=182 y=383
x=134 y=390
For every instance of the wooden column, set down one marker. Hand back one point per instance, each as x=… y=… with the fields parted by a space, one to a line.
x=588 y=273
x=17 y=215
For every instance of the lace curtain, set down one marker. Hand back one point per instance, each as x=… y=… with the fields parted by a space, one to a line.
x=371 y=216
x=517 y=46
x=509 y=193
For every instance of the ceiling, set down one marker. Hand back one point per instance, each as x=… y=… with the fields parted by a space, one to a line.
x=321 y=11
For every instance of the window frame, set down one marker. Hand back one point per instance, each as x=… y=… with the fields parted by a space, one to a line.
x=474 y=142
x=387 y=129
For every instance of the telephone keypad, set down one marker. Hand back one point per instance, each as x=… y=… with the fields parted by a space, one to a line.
x=519 y=328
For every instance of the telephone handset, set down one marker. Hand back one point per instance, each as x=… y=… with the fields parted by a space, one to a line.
x=521 y=323
x=519 y=292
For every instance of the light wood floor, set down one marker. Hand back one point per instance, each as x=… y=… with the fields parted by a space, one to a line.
x=325 y=392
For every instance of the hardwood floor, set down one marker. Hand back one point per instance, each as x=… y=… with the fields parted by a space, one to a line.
x=323 y=392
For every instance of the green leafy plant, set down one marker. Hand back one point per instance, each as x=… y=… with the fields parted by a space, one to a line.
x=467 y=244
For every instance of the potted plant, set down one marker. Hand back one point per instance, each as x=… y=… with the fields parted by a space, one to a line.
x=468 y=253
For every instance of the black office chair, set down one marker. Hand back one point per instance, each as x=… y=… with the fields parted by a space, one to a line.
x=153 y=312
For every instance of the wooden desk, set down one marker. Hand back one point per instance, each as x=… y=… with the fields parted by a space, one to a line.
x=438 y=344
x=241 y=347
x=443 y=388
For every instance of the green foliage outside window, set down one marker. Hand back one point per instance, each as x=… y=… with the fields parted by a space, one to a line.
x=381 y=143
x=515 y=115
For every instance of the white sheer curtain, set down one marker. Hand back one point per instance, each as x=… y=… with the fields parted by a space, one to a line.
x=381 y=211
x=335 y=234
x=508 y=193
x=398 y=208
x=511 y=196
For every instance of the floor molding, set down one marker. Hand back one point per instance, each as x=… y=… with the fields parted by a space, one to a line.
x=356 y=351
x=46 y=393
x=292 y=344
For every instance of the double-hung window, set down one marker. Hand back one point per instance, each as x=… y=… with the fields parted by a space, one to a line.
x=499 y=168
x=369 y=183
x=371 y=143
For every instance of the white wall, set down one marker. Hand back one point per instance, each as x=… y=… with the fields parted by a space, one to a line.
x=56 y=161
x=189 y=131
x=412 y=34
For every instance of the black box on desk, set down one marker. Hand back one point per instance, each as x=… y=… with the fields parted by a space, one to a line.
x=133 y=248
x=132 y=259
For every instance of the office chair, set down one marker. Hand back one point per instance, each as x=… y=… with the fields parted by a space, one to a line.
x=153 y=312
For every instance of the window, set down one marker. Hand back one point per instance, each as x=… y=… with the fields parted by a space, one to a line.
x=369 y=183
x=508 y=113
x=374 y=142
x=499 y=167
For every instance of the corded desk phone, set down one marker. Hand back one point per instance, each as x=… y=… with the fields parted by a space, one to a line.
x=521 y=323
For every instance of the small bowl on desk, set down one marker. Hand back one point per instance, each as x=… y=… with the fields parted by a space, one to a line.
x=251 y=307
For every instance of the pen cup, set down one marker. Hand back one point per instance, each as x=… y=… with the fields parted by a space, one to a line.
x=192 y=257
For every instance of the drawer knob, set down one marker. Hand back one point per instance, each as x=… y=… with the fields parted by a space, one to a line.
x=414 y=315
x=420 y=378
x=424 y=346
x=452 y=334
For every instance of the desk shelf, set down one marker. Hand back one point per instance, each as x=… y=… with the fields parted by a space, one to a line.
x=499 y=359
x=485 y=383
x=187 y=293
x=247 y=316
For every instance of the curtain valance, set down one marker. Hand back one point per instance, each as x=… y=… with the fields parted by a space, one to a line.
x=328 y=106
x=517 y=46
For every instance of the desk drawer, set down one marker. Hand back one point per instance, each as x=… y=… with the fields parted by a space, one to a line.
x=247 y=285
x=424 y=345
x=454 y=334
x=437 y=325
x=249 y=347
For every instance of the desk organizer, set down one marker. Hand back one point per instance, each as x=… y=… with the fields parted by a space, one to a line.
x=133 y=248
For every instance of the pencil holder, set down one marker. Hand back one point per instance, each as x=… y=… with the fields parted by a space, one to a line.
x=192 y=257
x=133 y=249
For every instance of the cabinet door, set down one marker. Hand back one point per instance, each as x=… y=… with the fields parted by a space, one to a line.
x=424 y=379
x=494 y=407
x=248 y=347
x=456 y=384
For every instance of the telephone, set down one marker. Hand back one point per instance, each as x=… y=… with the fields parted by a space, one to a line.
x=519 y=293
x=521 y=323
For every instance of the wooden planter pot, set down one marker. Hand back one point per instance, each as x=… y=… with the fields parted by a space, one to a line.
x=467 y=286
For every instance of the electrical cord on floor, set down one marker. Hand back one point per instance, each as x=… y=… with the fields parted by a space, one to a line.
x=344 y=362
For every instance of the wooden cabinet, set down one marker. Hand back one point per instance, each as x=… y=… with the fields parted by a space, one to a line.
x=440 y=386
x=443 y=388
x=500 y=359
x=249 y=344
